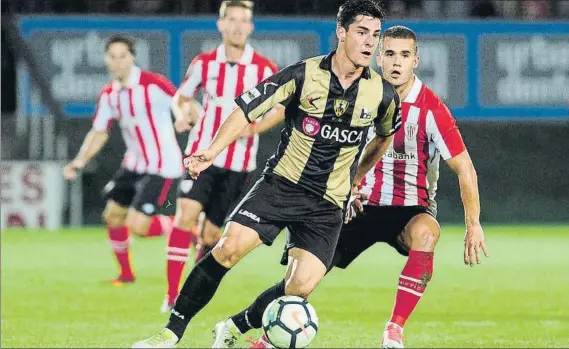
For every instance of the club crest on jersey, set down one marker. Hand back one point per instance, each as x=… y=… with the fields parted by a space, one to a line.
x=411 y=131
x=340 y=106
x=310 y=126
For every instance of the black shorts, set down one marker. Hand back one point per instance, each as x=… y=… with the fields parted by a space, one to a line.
x=275 y=203
x=376 y=224
x=145 y=193
x=217 y=189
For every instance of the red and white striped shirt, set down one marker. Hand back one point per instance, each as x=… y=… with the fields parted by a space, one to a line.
x=222 y=82
x=408 y=172
x=142 y=109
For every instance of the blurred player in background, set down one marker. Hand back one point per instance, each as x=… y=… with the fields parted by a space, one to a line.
x=222 y=74
x=400 y=209
x=141 y=103
x=331 y=102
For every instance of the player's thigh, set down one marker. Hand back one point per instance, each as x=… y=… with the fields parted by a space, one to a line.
x=119 y=193
x=151 y=192
x=421 y=233
x=114 y=214
x=211 y=233
x=317 y=234
x=236 y=242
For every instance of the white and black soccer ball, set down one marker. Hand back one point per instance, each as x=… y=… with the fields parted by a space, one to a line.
x=290 y=322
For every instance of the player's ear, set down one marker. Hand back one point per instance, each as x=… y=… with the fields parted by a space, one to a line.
x=220 y=24
x=417 y=59
x=340 y=33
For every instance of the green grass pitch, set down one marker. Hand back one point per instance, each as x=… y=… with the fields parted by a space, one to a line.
x=53 y=292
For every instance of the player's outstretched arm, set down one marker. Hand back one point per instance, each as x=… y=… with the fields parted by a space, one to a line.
x=372 y=153
x=92 y=144
x=271 y=119
x=468 y=182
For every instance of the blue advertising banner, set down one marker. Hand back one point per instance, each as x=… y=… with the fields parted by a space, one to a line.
x=491 y=69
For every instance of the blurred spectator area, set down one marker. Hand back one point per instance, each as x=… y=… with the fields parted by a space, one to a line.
x=436 y=9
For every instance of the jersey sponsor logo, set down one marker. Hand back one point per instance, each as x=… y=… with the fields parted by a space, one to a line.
x=340 y=106
x=249 y=215
x=250 y=95
x=341 y=136
x=310 y=126
x=400 y=156
x=365 y=115
x=411 y=131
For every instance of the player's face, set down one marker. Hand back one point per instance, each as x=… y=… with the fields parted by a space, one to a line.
x=397 y=59
x=119 y=60
x=361 y=39
x=236 y=26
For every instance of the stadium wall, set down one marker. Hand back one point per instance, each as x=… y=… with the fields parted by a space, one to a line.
x=506 y=82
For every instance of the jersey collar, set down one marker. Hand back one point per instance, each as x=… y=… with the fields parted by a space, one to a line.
x=246 y=57
x=414 y=92
x=326 y=64
x=133 y=79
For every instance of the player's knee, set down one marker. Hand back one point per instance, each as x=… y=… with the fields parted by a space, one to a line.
x=137 y=227
x=301 y=286
x=186 y=217
x=425 y=238
x=113 y=219
x=211 y=234
x=227 y=252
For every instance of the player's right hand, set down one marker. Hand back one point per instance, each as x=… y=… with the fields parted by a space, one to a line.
x=182 y=125
x=198 y=162
x=355 y=204
x=70 y=170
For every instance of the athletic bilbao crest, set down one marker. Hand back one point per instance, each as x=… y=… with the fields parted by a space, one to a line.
x=340 y=106
x=411 y=131
x=310 y=126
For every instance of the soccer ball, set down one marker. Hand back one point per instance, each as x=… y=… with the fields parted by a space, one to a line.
x=290 y=322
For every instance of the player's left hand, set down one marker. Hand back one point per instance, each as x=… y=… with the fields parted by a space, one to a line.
x=473 y=243
x=355 y=204
x=198 y=162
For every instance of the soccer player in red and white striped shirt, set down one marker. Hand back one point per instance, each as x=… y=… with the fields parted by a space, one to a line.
x=222 y=75
x=400 y=209
x=140 y=101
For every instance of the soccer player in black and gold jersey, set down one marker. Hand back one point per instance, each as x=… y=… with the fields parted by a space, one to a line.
x=331 y=101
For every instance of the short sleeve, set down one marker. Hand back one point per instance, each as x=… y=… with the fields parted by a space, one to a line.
x=270 y=92
x=388 y=119
x=444 y=133
x=193 y=79
x=104 y=116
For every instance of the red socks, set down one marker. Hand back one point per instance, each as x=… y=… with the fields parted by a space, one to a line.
x=178 y=251
x=160 y=225
x=120 y=243
x=412 y=283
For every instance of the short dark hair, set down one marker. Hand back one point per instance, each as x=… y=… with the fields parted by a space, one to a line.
x=399 y=32
x=129 y=41
x=348 y=12
x=226 y=4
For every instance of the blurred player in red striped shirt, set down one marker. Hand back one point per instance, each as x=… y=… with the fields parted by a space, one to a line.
x=140 y=101
x=400 y=207
x=222 y=74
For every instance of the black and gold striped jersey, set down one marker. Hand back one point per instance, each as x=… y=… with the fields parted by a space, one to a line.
x=325 y=124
